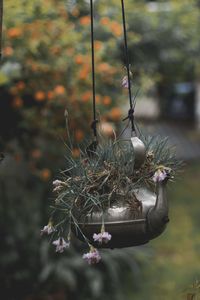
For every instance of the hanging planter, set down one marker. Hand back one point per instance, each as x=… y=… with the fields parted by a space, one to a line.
x=114 y=194
x=111 y=195
x=108 y=202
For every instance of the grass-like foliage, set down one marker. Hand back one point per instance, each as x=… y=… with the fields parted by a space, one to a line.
x=94 y=183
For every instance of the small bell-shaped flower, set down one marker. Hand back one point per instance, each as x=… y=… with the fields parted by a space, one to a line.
x=102 y=237
x=48 y=229
x=92 y=257
x=60 y=244
x=57 y=185
x=161 y=173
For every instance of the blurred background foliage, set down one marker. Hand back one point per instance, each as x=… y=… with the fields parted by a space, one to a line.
x=46 y=68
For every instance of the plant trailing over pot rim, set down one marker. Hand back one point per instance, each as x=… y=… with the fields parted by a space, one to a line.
x=91 y=189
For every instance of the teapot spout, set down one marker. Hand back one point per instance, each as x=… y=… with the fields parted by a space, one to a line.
x=157 y=217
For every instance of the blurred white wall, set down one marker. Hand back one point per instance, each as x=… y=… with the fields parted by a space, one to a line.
x=147 y=108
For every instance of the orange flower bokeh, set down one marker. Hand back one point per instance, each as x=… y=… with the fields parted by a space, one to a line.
x=75 y=152
x=79 y=135
x=14 y=32
x=107 y=100
x=17 y=102
x=105 y=21
x=8 y=51
x=115 y=113
x=20 y=85
x=79 y=59
x=84 y=20
x=59 y=90
x=45 y=174
x=40 y=96
x=87 y=96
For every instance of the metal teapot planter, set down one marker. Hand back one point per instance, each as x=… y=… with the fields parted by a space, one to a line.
x=127 y=229
x=118 y=193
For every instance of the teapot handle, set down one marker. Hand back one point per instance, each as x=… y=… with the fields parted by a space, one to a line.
x=157 y=216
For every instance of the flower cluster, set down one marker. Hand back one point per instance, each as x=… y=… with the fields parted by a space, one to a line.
x=93 y=256
x=27 y=75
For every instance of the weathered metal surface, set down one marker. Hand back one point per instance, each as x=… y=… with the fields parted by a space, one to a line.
x=139 y=151
x=127 y=227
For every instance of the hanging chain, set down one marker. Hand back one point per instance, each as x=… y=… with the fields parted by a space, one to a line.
x=131 y=110
x=93 y=146
x=95 y=121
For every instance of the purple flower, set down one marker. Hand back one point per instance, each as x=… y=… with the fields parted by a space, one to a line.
x=102 y=237
x=125 y=82
x=48 y=229
x=92 y=257
x=160 y=175
x=60 y=244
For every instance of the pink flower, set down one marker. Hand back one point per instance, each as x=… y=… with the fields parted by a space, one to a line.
x=159 y=175
x=60 y=244
x=92 y=257
x=57 y=188
x=125 y=82
x=102 y=237
x=57 y=184
x=48 y=229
